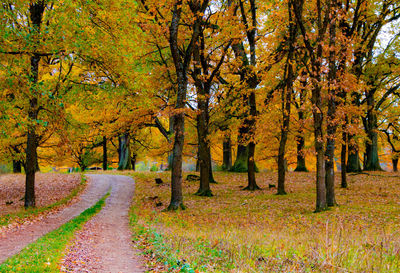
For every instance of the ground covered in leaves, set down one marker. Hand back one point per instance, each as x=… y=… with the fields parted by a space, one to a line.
x=241 y=231
x=50 y=188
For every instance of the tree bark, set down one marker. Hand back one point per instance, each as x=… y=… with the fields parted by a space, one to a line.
x=17 y=166
x=395 y=162
x=319 y=149
x=36 y=10
x=331 y=115
x=212 y=180
x=124 y=162
x=301 y=157
x=227 y=153
x=202 y=134
x=240 y=165
x=372 y=158
x=353 y=159
x=105 y=163
x=316 y=57
x=287 y=94
x=133 y=161
x=343 y=164
x=182 y=60
x=171 y=129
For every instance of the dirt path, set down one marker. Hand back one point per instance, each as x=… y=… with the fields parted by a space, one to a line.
x=14 y=240
x=104 y=244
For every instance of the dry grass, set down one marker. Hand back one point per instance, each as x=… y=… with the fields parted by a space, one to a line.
x=240 y=231
x=50 y=188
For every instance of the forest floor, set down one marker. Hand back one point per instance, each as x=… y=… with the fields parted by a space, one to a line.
x=17 y=236
x=50 y=188
x=242 y=231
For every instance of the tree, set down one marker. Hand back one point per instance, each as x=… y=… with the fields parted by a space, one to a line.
x=287 y=95
x=315 y=51
x=204 y=74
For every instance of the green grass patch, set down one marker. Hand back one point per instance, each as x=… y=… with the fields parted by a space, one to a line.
x=153 y=244
x=45 y=254
x=32 y=212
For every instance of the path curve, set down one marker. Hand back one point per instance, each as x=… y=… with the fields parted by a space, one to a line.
x=105 y=244
x=13 y=241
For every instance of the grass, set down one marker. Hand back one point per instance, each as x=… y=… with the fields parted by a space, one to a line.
x=32 y=212
x=45 y=254
x=240 y=231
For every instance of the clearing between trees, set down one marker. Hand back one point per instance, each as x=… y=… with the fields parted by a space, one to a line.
x=242 y=231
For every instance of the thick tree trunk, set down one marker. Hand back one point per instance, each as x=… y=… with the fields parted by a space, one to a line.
x=176 y=172
x=197 y=160
x=36 y=10
x=227 y=153
x=133 y=161
x=251 y=164
x=31 y=158
x=105 y=163
x=82 y=165
x=17 y=166
x=203 y=154
x=371 y=127
x=395 y=162
x=372 y=158
x=353 y=159
x=171 y=130
x=281 y=164
x=301 y=159
x=124 y=162
x=240 y=165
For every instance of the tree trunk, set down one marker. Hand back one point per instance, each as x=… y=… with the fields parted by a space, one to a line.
x=286 y=105
x=319 y=149
x=372 y=158
x=301 y=157
x=171 y=129
x=331 y=116
x=353 y=159
x=105 y=163
x=227 y=153
x=251 y=164
x=176 y=172
x=197 y=160
x=36 y=10
x=343 y=164
x=395 y=162
x=203 y=151
x=240 y=165
x=17 y=166
x=318 y=117
x=124 y=162
x=212 y=180
x=82 y=165
x=133 y=161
